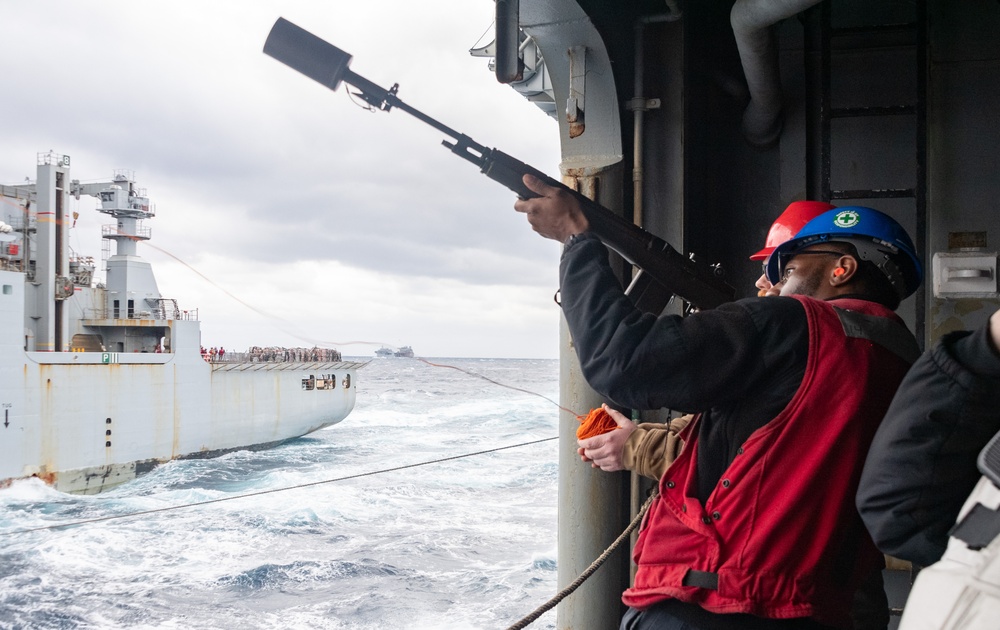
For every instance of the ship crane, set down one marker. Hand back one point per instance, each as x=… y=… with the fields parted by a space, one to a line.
x=127 y=204
x=130 y=280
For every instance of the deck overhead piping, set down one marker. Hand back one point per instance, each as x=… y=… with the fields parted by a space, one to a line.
x=752 y=21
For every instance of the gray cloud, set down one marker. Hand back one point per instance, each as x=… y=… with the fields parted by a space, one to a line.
x=251 y=162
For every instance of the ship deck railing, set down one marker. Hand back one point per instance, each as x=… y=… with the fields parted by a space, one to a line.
x=245 y=361
x=288 y=356
x=157 y=313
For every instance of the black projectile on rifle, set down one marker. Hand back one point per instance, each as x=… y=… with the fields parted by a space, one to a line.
x=666 y=271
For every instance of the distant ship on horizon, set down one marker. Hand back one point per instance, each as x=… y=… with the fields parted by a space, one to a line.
x=405 y=351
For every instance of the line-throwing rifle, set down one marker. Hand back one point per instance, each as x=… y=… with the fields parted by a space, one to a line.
x=666 y=272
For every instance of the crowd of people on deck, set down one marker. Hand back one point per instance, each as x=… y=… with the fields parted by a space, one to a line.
x=277 y=354
x=271 y=354
x=213 y=354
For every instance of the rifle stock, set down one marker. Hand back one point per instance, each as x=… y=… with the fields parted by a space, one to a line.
x=664 y=271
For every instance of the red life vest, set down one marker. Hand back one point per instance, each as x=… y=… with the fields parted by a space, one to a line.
x=779 y=536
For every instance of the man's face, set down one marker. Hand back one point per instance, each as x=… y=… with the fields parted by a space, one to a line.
x=806 y=272
x=765 y=288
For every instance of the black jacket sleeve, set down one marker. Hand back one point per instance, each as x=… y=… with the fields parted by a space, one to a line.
x=922 y=464
x=712 y=358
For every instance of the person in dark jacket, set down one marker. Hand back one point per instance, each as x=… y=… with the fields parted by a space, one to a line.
x=922 y=463
x=649 y=448
x=755 y=525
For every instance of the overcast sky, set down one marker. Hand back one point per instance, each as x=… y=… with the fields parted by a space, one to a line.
x=333 y=223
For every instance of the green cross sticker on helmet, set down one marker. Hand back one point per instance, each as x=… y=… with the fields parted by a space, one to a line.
x=846 y=219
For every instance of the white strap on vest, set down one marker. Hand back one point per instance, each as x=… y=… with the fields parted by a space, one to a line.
x=962 y=590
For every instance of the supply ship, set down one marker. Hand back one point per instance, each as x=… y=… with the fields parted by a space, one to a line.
x=100 y=382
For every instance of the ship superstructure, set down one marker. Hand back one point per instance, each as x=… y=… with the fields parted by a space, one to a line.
x=100 y=382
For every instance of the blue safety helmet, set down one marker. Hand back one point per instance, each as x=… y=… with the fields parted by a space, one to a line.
x=878 y=238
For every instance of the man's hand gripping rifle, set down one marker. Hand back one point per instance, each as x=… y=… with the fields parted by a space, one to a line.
x=666 y=271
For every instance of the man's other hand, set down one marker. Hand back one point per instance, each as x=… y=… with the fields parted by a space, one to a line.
x=605 y=451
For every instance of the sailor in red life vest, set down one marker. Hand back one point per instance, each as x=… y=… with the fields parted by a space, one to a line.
x=755 y=526
x=648 y=449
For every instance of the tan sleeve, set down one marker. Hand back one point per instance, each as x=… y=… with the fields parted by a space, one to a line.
x=652 y=447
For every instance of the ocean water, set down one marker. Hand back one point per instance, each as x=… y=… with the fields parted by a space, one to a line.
x=463 y=543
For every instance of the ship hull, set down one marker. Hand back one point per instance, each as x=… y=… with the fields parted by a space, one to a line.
x=88 y=421
x=85 y=422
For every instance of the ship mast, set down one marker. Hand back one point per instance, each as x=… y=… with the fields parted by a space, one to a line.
x=131 y=286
